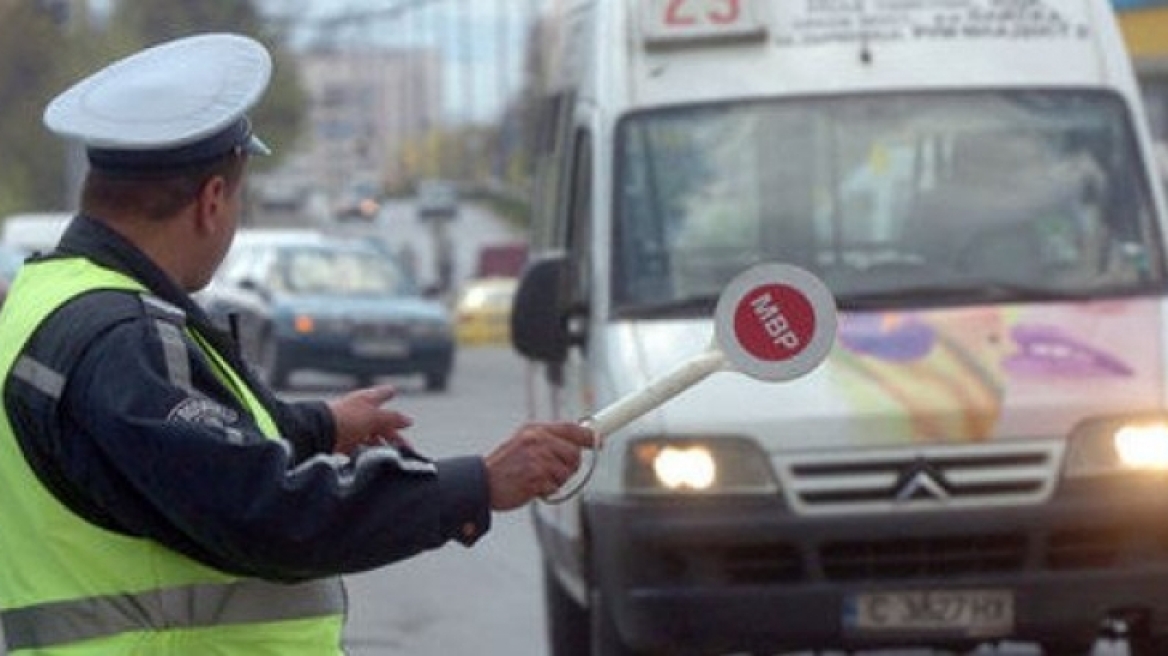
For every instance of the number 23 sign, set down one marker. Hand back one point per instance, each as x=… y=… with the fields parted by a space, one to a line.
x=688 y=20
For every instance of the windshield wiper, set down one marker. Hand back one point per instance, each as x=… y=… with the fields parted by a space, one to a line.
x=981 y=292
x=679 y=307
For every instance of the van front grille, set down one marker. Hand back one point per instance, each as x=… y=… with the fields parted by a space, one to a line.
x=919 y=478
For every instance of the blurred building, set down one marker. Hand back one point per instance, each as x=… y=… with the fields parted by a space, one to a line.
x=369 y=110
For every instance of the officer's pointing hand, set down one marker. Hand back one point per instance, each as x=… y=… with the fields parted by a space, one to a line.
x=362 y=421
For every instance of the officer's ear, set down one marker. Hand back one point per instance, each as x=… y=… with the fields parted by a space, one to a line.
x=213 y=205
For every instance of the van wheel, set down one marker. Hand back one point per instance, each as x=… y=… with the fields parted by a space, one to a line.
x=1147 y=645
x=567 y=621
x=606 y=639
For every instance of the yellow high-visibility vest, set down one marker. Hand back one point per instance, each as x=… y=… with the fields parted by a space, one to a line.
x=70 y=587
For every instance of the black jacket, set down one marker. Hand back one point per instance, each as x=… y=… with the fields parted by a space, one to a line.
x=129 y=447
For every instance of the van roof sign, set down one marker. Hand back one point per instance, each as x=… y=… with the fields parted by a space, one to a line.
x=671 y=23
x=822 y=22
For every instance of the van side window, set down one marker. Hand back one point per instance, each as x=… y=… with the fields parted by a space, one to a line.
x=579 y=221
x=552 y=134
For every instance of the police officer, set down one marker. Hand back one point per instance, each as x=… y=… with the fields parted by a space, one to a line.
x=156 y=498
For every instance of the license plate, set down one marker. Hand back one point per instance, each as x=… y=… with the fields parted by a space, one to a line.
x=384 y=348
x=974 y=613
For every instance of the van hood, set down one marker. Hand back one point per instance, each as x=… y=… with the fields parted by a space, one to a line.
x=932 y=376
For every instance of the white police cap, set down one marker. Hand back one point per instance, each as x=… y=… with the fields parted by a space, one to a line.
x=175 y=105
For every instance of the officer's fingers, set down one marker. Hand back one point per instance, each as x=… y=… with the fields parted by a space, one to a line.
x=549 y=459
x=569 y=434
x=577 y=434
x=377 y=395
x=392 y=420
x=562 y=455
x=355 y=407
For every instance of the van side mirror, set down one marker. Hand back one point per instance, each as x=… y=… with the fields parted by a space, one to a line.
x=539 y=329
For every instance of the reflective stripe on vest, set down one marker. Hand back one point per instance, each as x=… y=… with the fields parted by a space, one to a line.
x=188 y=607
x=94 y=591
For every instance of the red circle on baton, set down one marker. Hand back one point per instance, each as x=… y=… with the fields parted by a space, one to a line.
x=774 y=322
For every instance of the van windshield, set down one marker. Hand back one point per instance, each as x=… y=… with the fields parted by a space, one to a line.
x=894 y=200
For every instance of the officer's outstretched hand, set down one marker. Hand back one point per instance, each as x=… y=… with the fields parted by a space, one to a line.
x=534 y=462
x=362 y=421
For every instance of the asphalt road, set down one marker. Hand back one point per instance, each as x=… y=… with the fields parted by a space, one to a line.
x=482 y=600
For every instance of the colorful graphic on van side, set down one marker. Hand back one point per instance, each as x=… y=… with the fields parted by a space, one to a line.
x=947 y=385
x=954 y=373
x=1049 y=351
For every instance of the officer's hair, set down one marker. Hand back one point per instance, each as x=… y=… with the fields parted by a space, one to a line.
x=156 y=195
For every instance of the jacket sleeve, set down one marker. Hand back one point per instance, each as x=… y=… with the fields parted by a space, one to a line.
x=170 y=455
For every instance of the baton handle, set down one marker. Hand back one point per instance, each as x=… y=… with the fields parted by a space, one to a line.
x=615 y=416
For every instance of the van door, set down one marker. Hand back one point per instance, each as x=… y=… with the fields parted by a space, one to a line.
x=568 y=384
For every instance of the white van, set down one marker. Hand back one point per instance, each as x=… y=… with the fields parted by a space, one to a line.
x=983 y=455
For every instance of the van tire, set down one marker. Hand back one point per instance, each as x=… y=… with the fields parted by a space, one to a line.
x=1147 y=645
x=567 y=621
x=606 y=638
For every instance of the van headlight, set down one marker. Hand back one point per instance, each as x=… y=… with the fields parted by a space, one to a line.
x=1102 y=447
x=693 y=465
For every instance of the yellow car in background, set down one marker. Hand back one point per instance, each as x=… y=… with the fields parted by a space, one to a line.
x=482 y=311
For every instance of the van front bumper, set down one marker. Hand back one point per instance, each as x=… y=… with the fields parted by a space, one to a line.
x=747 y=575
